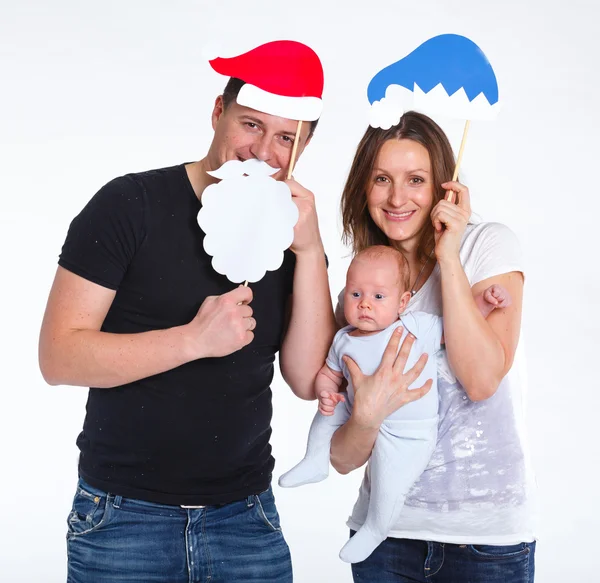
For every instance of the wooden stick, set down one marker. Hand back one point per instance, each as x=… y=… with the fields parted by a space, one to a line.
x=294 y=150
x=292 y=160
x=450 y=195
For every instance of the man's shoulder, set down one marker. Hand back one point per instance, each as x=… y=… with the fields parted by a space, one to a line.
x=156 y=175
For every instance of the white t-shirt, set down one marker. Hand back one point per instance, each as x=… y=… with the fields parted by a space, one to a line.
x=478 y=486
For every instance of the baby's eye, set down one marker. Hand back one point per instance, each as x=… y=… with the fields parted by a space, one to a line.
x=355 y=295
x=378 y=296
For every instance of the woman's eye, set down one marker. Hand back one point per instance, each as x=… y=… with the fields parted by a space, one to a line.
x=416 y=180
x=381 y=179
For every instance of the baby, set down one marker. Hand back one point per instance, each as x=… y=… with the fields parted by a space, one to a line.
x=376 y=294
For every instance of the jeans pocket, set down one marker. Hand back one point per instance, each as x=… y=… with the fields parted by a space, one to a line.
x=499 y=552
x=89 y=511
x=267 y=511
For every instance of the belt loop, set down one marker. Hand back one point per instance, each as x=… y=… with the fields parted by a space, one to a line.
x=250 y=501
x=117 y=501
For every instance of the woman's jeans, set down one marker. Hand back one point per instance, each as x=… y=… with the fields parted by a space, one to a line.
x=413 y=561
x=112 y=539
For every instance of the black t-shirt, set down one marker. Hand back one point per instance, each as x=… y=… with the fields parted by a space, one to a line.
x=197 y=434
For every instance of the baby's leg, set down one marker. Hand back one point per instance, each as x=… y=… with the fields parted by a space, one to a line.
x=315 y=465
x=401 y=454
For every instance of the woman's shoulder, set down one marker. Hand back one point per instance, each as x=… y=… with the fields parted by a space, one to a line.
x=489 y=249
x=486 y=229
x=484 y=236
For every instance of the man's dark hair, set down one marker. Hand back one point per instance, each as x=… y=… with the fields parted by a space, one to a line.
x=232 y=89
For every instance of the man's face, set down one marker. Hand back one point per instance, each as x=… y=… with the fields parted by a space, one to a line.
x=242 y=133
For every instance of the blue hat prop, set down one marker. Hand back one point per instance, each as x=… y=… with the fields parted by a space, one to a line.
x=447 y=75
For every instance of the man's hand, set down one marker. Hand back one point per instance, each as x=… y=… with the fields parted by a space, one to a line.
x=306 y=231
x=223 y=325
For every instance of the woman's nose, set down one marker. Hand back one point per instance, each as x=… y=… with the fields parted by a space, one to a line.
x=397 y=196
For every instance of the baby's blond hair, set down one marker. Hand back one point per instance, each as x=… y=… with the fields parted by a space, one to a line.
x=385 y=251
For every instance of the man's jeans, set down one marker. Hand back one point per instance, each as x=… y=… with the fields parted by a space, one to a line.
x=414 y=561
x=112 y=539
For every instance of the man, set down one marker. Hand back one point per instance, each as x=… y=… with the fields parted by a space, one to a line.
x=175 y=463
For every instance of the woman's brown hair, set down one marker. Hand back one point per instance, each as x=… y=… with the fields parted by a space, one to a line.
x=359 y=228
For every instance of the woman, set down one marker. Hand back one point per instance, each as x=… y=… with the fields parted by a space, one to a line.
x=468 y=518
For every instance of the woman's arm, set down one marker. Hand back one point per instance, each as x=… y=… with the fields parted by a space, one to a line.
x=480 y=351
x=375 y=398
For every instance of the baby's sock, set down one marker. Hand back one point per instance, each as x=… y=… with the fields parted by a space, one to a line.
x=361 y=545
x=313 y=468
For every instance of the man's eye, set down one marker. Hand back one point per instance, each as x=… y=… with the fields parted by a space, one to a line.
x=251 y=125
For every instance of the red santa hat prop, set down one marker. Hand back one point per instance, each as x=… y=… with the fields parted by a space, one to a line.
x=283 y=78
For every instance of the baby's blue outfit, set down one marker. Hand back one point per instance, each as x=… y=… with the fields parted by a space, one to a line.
x=406 y=438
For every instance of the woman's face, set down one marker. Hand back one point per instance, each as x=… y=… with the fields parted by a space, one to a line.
x=400 y=190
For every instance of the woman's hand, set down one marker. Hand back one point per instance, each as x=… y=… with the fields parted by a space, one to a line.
x=450 y=220
x=386 y=390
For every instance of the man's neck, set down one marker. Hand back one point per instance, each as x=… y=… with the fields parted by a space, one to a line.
x=198 y=177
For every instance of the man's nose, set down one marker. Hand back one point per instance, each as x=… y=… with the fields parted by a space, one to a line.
x=262 y=149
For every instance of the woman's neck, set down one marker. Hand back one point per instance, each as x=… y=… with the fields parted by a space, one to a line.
x=420 y=266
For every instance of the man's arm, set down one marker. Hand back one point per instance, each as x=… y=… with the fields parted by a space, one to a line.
x=311 y=325
x=73 y=350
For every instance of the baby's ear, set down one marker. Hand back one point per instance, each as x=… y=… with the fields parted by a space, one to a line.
x=404 y=299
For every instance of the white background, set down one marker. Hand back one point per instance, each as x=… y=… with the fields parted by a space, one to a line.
x=92 y=90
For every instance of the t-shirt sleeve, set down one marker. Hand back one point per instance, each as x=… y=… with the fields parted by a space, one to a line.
x=333 y=360
x=495 y=250
x=104 y=237
x=434 y=329
x=427 y=328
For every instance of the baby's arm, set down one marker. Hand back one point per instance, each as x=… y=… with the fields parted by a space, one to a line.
x=327 y=385
x=492 y=298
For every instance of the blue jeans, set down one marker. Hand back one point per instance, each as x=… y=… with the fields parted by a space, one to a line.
x=112 y=539
x=399 y=560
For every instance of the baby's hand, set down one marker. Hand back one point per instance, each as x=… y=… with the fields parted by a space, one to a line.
x=497 y=296
x=328 y=400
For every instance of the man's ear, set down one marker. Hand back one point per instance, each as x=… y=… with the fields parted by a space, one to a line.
x=218 y=111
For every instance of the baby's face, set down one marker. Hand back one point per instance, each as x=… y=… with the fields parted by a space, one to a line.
x=373 y=296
